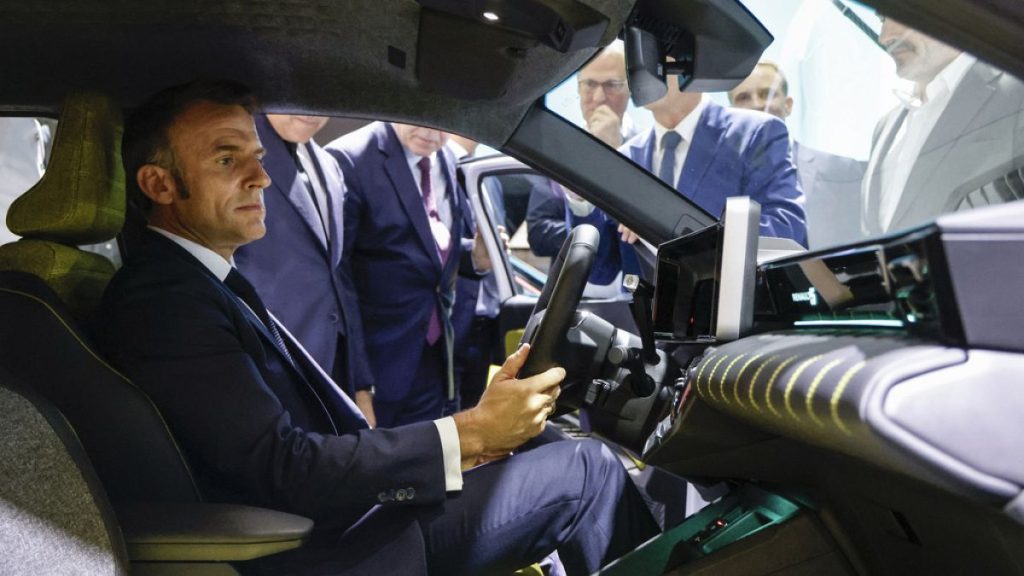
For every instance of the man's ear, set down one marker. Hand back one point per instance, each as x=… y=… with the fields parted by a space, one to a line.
x=789 y=105
x=157 y=184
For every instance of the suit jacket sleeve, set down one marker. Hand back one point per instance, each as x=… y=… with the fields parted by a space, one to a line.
x=545 y=219
x=771 y=180
x=188 y=346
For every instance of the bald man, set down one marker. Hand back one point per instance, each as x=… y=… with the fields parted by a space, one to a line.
x=831 y=183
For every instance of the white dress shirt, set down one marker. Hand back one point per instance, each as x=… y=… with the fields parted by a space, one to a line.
x=685 y=128
x=446 y=429
x=923 y=112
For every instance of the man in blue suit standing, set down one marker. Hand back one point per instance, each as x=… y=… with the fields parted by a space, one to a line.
x=408 y=233
x=709 y=153
x=297 y=266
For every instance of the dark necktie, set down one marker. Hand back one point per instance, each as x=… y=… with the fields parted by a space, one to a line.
x=442 y=238
x=247 y=293
x=669 y=142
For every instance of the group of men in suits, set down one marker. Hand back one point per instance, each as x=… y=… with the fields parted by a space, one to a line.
x=950 y=145
x=258 y=419
x=705 y=151
x=360 y=261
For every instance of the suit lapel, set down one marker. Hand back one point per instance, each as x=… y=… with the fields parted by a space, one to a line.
x=643 y=151
x=339 y=407
x=702 y=150
x=397 y=168
x=280 y=166
x=871 y=209
x=335 y=183
x=966 y=102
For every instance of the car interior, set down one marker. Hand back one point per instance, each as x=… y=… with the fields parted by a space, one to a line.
x=851 y=410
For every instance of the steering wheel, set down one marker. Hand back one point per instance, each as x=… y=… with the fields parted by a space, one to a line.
x=555 y=310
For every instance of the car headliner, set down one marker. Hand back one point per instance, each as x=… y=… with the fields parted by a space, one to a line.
x=321 y=56
x=336 y=58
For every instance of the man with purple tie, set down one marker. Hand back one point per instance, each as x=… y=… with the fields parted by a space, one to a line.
x=408 y=234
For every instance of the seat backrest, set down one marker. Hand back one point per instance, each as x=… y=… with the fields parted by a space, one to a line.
x=79 y=200
x=54 y=515
x=48 y=286
x=125 y=436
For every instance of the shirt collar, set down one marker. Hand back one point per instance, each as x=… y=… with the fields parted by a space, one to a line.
x=214 y=262
x=687 y=126
x=944 y=82
x=413 y=160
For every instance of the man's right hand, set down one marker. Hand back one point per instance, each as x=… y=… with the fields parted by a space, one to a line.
x=510 y=412
x=606 y=125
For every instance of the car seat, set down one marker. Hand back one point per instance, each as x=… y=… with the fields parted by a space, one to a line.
x=54 y=515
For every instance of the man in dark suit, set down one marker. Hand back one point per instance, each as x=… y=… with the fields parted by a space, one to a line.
x=408 y=234
x=297 y=267
x=261 y=424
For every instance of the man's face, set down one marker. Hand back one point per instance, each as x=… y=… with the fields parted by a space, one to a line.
x=297 y=129
x=762 y=90
x=919 y=58
x=596 y=82
x=420 y=141
x=219 y=156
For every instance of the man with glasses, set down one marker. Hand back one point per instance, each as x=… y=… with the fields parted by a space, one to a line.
x=604 y=96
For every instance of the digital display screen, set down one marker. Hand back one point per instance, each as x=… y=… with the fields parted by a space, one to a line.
x=686 y=294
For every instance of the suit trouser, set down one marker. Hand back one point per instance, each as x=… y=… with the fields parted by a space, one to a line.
x=473 y=360
x=571 y=496
x=427 y=394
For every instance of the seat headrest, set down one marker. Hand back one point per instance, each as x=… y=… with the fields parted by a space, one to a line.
x=81 y=197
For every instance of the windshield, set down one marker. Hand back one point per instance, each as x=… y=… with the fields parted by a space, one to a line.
x=887 y=127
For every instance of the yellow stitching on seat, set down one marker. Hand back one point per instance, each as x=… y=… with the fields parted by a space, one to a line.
x=838 y=393
x=711 y=377
x=809 y=401
x=771 y=382
x=739 y=377
x=753 y=382
x=127 y=381
x=786 y=396
x=721 y=383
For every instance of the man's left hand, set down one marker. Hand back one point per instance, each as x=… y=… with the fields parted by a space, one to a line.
x=364 y=401
x=481 y=259
x=628 y=236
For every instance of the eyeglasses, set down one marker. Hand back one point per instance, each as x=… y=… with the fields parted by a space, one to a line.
x=614 y=87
